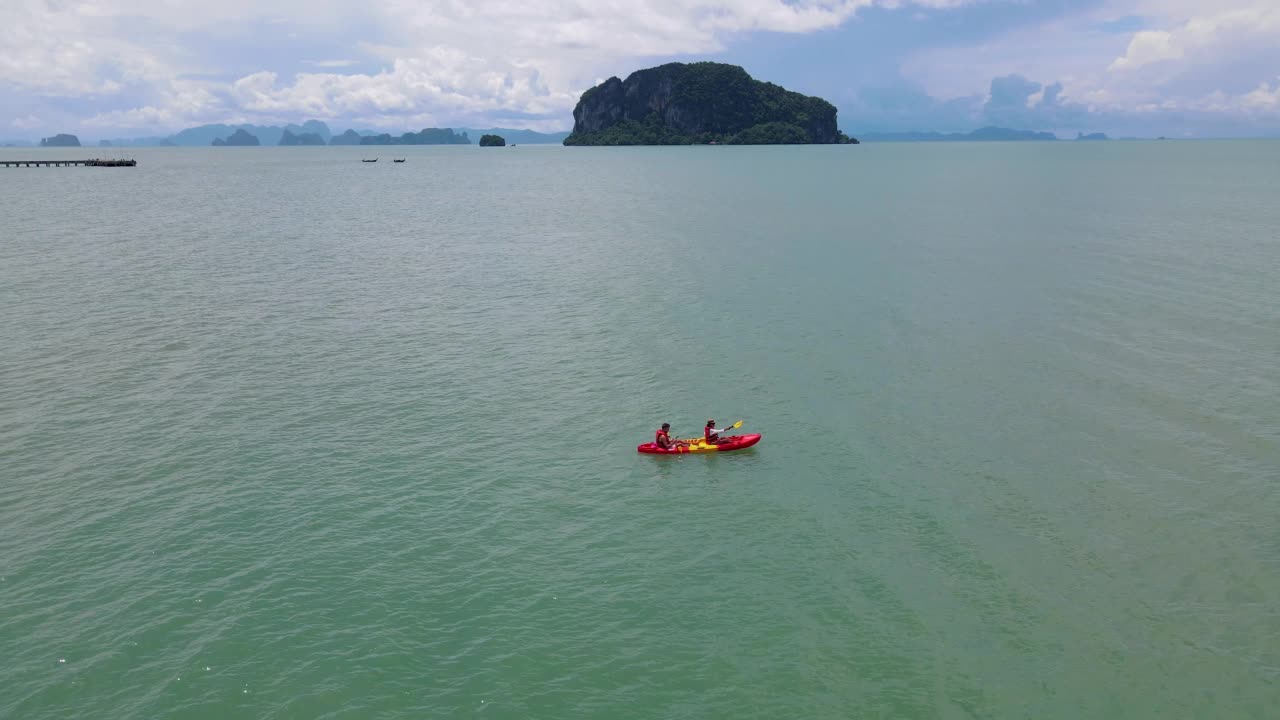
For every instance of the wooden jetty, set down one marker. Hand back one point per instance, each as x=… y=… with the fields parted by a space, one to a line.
x=92 y=162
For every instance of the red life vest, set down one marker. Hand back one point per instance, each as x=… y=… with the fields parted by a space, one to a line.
x=707 y=433
x=661 y=435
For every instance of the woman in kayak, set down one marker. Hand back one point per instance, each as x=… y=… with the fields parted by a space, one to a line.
x=662 y=438
x=711 y=434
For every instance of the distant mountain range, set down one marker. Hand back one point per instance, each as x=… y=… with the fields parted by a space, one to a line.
x=316 y=132
x=239 y=138
x=428 y=136
x=312 y=130
x=204 y=135
x=986 y=134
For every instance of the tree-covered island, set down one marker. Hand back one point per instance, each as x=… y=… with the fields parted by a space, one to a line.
x=700 y=103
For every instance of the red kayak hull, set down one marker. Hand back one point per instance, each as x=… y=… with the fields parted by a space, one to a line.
x=736 y=442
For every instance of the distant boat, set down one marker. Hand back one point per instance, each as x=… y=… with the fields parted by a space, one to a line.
x=373 y=160
x=395 y=160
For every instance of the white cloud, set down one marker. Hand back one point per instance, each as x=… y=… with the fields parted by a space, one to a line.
x=160 y=64
x=448 y=81
x=440 y=58
x=1147 y=47
x=1264 y=97
x=1212 y=34
x=184 y=102
x=1188 y=55
x=27 y=122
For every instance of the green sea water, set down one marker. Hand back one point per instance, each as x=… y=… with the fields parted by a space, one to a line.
x=287 y=435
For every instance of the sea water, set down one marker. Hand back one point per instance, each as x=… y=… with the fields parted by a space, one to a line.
x=288 y=435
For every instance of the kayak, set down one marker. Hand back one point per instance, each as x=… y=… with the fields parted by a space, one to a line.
x=698 y=445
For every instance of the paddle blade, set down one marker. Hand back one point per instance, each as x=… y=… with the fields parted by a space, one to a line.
x=736 y=425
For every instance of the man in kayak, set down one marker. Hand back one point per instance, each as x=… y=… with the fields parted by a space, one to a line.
x=711 y=434
x=662 y=438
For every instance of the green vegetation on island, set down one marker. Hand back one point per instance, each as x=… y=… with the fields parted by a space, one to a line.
x=492 y=141
x=60 y=140
x=696 y=103
x=772 y=133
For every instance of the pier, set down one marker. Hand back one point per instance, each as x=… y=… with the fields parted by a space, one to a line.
x=93 y=162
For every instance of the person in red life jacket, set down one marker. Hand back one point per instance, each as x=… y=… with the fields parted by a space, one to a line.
x=711 y=434
x=662 y=438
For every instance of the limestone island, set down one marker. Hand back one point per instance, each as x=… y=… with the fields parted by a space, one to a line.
x=239 y=138
x=288 y=139
x=492 y=141
x=350 y=137
x=60 y=140
x=701 y=103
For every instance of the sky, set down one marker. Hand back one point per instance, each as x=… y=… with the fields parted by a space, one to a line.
x=128 y=68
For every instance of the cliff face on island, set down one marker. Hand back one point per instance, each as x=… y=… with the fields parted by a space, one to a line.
x=681 y=104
